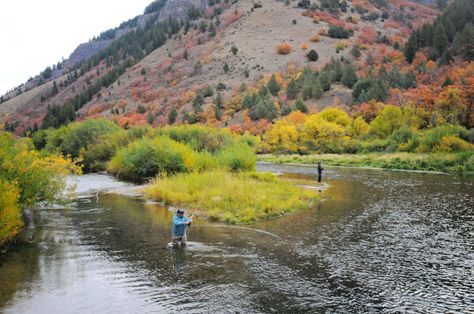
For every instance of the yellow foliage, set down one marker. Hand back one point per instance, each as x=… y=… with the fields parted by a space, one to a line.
x=452 y=144
x=316 y=19
x=360 y=127
x=10 y=214
x=341 y=45
x=304 y=46
x=283 y=137
x=228 y=197
x=337 y=116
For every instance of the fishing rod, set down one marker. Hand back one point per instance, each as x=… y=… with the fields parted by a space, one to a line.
x=202 y=198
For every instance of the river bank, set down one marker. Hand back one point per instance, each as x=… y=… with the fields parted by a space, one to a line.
x=446 y=162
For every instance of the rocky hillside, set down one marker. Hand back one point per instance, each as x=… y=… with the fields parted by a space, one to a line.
x=171 y=60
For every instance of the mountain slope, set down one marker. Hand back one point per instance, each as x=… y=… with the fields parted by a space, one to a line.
x=165 y=80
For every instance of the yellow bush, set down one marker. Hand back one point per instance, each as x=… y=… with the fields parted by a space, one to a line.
x=341 y=45
x=452 y=144
x=10 y=214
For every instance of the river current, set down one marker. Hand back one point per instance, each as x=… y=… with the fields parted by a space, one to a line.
x=379 y=241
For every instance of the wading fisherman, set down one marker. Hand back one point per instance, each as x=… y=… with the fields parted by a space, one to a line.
x=320 y=171
x=180 y=223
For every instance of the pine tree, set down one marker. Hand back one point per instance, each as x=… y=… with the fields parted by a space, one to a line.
x=226 y=68
x=292 y=89
x=411 y=48
x=325 y=81
x=150 y=117
x=172 y=116
x=308 y=88
x=316 y=90
x=464 y=42
x=349 y=77
x=185 y=54
x=198 y=101
x=313 y=55
x=212 y=30
x=218 y=104
x=440 y=39
x=301 y=106
x=273 y=86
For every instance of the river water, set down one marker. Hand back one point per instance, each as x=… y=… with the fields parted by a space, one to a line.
x=379 y=241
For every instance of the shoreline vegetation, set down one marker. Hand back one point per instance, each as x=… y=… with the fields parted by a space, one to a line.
x=224 y=196
x=438 y=162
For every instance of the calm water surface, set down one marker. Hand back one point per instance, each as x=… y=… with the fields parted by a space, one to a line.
x=378 y=242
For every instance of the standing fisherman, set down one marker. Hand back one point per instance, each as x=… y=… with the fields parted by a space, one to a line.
x=320 y=171
x=180 y=223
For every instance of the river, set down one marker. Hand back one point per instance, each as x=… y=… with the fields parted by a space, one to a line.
x=379 y=241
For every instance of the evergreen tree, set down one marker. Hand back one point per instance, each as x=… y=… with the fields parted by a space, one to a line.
x=440 y=39
x=198 y=101
x=55 y=90
x=411 y=48
x=313 y=55
x=141 y=109
x=464 y=42
x=150 y=117
x=273 y=86
x=308 y=88
x=226 y=67
x=212 y=30
x=325 y=81
x=172 y=116
x=301 y=106
x=202 y=26
x=292 y=89
x=218 y=104
x=316 y=90
x=185 y=54
x=349 y=77
x=264 y=109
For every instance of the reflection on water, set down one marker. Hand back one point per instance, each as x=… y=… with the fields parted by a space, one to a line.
x=381 y=240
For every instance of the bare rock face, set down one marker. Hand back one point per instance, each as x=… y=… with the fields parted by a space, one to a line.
x=87 y=50
x=179 y=8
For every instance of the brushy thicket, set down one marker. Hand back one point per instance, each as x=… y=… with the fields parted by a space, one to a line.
x=232 y=197
x=140 y=153
x=394 y=129
x=26 y=179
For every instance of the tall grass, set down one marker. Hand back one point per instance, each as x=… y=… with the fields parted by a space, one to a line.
x=232 y=197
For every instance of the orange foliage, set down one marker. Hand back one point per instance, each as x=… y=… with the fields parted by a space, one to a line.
x=391 y=24
x=315 y=39
x=304 y=46
x=297 y=118
x=284 y=48
x=329 y=18
x=368 y=35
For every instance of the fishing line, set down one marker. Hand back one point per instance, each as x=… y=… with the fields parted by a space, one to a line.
x=242 y=228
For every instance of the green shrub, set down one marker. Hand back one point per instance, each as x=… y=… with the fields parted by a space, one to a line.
x=200 y=138
x=146 y=158
x=238 y=157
